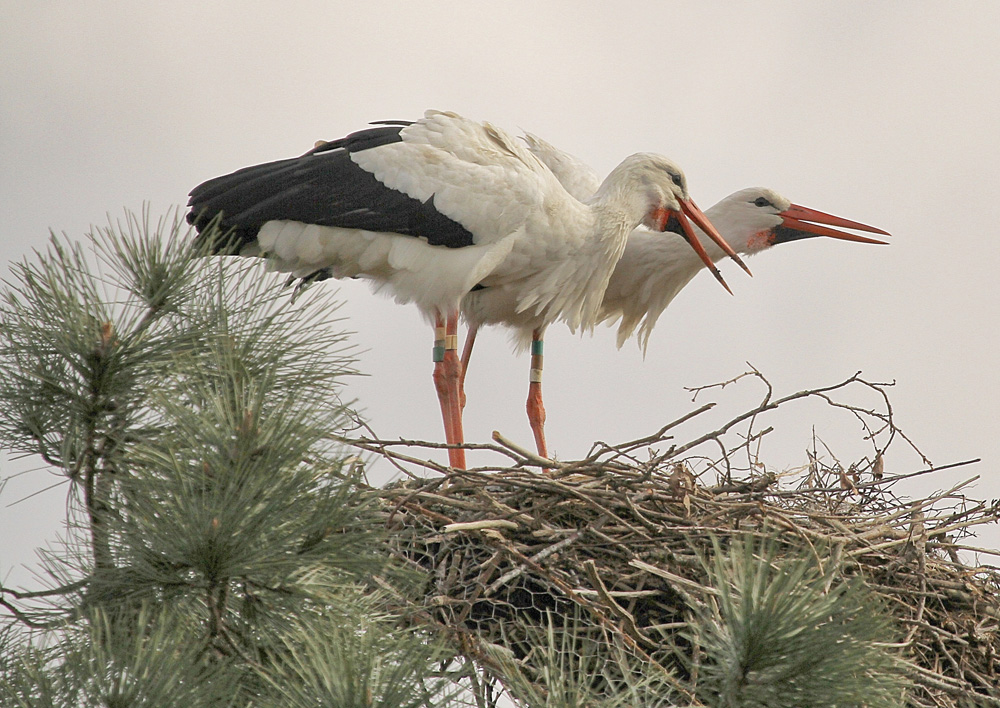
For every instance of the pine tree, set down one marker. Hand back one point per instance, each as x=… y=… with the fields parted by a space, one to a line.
x=784 y=632
x=217 y=539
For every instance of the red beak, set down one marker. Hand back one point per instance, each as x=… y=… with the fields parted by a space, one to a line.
x=692 y=239
x=796 y=219
x=698 y=216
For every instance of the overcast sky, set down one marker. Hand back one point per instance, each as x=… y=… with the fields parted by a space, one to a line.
x=886 y=113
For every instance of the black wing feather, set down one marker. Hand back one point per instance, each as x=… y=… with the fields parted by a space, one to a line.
x=323 y=187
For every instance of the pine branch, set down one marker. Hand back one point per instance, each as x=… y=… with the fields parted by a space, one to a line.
x=193 y=409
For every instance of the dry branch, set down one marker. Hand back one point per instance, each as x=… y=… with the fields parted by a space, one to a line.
x=623 y=542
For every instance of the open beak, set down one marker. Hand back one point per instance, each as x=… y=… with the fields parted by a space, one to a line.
x=697 y=216
x=687 y=232
x=795 y=224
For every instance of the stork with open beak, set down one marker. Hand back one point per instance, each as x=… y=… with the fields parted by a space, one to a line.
x=431 y=209
x=654 y=269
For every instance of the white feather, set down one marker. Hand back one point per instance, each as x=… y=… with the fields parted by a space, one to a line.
x=535 y=245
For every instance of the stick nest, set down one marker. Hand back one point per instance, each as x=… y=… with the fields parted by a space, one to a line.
x=623 y=542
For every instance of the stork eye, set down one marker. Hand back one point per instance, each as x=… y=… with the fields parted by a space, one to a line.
x=762 y=202
x=677 y=179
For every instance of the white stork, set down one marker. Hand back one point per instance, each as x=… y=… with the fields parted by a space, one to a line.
x=652 y=269
x=431 y=209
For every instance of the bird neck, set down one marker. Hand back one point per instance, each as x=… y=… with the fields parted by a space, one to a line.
x=656 y=266
x=653 y=269
x=613 y=221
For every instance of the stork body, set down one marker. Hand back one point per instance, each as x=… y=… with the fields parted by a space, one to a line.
x=429 y=210
x=654 y=268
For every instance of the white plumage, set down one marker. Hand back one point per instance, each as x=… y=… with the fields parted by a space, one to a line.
x=430 y=210
x=654 y=268
x=652 y=271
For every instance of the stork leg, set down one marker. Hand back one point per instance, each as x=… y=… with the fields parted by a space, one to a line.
x=535 y=407
x=470 y=340
x=447 y=375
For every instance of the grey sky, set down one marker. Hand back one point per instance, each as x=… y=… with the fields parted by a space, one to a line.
x=887 y=113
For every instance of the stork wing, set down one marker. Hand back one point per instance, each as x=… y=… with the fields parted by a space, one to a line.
x=446 y=179
x=577 y=177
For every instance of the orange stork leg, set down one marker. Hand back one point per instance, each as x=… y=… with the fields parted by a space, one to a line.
x=470 y=341
x=535 y=407
x=447 y=377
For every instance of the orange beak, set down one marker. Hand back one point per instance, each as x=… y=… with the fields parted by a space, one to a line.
x=692 y=239
x=795 y=225
x=698 y=216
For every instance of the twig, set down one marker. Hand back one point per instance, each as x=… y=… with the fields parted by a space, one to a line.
x=528 y=456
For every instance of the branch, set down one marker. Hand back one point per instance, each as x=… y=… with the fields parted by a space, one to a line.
x=62 y=590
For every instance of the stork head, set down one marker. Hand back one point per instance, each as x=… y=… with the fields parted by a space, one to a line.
x=758 y=218
x=661 y=184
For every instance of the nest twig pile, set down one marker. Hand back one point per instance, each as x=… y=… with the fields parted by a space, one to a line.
x=623 y=542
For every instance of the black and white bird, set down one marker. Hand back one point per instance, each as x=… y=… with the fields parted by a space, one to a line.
x=654 y=268
x=431 y=209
